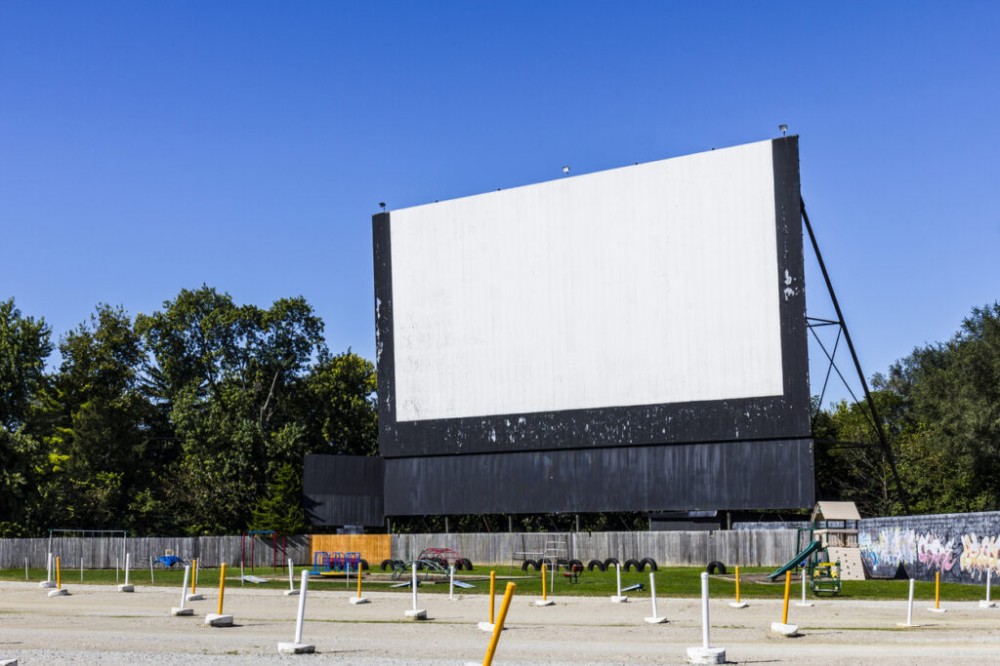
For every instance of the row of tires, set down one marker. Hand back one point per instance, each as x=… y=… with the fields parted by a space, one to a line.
x=460 y=564
x=599 y=565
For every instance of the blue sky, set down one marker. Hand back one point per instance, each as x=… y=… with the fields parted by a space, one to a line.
x=150 y=146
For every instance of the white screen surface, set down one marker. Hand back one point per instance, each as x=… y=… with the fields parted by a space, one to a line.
x=651 y=284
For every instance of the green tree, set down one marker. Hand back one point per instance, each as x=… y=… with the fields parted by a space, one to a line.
x=104 y=434
x=232 y=380
x=342 y=413
x=281 y=508
x=25 y=345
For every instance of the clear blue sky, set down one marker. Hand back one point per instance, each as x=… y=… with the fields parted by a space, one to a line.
x=150 y=146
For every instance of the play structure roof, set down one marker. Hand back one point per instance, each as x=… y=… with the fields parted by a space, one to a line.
x=835 y=511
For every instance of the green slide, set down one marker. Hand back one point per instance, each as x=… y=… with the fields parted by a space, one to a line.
x=798 y=559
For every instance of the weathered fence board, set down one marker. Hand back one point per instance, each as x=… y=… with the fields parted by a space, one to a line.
x=106 y=553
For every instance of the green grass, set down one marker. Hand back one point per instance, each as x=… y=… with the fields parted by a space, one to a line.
x=670 y=582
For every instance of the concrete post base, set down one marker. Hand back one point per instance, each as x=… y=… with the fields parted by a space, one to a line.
x=126 y=588
x=742 y=604
x=987 y=604
x=416 y=614
x=59 y=593
x=619 y=600
x=785 y=629
x=546 y=602
x=904 y=624
x=291 y=593
x=47 y=583
x=804 y=605
x=936 y=610
x=486 y=626
x=195 y=597
x=8 y=662
x=214 y=620
x=358 y=600
x=296 y=648
x=655 y=620
x=182 y=611
x=703 y=655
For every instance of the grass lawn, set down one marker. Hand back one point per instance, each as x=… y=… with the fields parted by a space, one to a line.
x=670 y=582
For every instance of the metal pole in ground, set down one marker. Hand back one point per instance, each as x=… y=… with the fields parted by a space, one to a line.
x=909 y=608
x=706 y=654
x=182 y=609
x=655 y=619
x=298 y=647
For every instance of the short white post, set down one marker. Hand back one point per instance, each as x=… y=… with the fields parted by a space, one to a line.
x=151 y=579
x=48 y=573
x=26 y=568
x=909 y=609
x=127 y=587
x=804 y=602
x=451 y=583
x=704 y=611
x=298 y=647
x=655 y=619
x=116 y=569
x=81 y=569
x=415 y=613
x=618 y=598
x=291 y=591
x=987 y=603
x=301 y=616
x=705 y=654
x=182 y=610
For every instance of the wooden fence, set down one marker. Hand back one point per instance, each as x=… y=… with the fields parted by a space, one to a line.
x=743 y=547
x=105 y=552
x=746 y=548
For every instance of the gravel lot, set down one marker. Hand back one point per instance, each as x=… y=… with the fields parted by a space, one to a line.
x=98 y=625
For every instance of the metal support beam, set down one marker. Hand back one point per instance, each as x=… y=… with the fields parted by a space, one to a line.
x=883 y=440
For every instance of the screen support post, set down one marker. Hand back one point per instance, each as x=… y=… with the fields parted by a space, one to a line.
x=883 y=440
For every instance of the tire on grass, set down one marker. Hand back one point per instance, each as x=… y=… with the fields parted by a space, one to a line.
x=595 y=564
x=650 y=561
x=610 y=562
x=632 y=564
x=715 y=567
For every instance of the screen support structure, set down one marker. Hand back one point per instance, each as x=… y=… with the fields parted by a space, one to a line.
x=883 y=441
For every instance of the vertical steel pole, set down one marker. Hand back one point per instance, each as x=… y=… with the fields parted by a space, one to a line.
x=652 y=591
x=302 y=606
x=184 y=585
x=704 y=610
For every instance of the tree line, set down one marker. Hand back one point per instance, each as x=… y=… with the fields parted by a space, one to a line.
x=940 y=409
x=195 y=419
x=191 y=420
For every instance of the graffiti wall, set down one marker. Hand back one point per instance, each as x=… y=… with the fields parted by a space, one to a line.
x=964 y=548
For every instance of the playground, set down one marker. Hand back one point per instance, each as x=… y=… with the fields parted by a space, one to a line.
x=96 y=623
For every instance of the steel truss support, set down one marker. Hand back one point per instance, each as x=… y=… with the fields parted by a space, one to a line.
x=876 y=421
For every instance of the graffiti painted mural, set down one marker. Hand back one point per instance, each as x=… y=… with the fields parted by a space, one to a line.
x=963 y=548
x=980 y=557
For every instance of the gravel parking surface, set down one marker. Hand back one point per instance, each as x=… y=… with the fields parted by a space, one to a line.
x=99 y=625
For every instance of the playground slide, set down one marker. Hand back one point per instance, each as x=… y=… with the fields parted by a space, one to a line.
x=798 y=559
